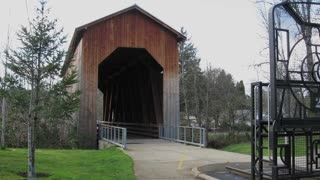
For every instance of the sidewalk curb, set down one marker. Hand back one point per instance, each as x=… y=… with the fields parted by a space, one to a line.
x=201 y=175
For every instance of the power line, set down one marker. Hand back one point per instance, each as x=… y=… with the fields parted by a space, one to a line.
x=28 y=17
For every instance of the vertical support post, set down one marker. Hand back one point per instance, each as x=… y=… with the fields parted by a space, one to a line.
x=166 y=132
x=275 y=155
x=204 y=138
x=273 y=100
x=200 y=136
x=192 y=135
x=185 y=134
x=253 y=153
x=111 y=133
x=178 y=132
x=107 y=132
x=124 y=138
x=102 y=132
x=260 y=132
x=119 y=131
x=173 y=132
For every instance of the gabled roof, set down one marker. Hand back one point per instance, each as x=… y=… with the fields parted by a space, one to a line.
x=80 y=31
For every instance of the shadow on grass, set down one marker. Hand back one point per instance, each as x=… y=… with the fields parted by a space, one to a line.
x=38 y=175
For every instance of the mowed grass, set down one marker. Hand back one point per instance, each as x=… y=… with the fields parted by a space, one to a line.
x=110 y=163
x=245 y=148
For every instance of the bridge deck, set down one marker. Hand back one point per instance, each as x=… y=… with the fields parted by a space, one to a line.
x=161 y=159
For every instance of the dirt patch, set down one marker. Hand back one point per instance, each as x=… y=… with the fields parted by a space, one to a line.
x=38 y=175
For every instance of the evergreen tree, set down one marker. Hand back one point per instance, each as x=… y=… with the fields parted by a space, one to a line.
x=191 y=80
x=38 y=62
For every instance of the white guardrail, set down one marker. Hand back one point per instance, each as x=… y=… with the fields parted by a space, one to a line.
x=114 y=135
x=184 y=134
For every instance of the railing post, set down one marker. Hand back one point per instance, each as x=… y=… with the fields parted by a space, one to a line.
x=114 y=135
x=185 y=134
x=117 y=134
x=172 y=133
x=178 y=132
x=119 y=130
x=200 y=136
x=124 y=138
x=204 y=136
x=192 y=134
x=111 y=134
x=101 y=131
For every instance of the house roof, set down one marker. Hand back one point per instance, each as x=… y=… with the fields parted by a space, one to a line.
x=80 y=31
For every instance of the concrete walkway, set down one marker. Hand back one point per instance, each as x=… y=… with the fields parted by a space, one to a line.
x=160 y=159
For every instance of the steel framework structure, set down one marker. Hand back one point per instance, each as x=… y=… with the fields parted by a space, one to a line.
x=286 y=112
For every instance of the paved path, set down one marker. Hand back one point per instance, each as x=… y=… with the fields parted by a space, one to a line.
x=160 y=159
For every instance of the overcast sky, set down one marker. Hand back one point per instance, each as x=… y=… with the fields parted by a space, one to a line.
x=224 y=32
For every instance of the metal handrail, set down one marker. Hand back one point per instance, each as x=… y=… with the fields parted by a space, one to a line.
x=114 y=135
x=184 y=134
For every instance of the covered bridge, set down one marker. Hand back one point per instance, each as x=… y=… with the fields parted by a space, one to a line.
x=132 y=57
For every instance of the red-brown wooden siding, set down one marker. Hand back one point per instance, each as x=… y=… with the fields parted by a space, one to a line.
x=133 y=30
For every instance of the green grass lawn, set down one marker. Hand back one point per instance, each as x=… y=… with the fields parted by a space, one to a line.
x=110 y=163
x=245 y=148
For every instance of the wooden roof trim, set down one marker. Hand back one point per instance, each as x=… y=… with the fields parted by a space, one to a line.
x=179 y=36
x=80 y=31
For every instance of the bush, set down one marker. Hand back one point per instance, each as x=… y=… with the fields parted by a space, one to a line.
x=219 y=141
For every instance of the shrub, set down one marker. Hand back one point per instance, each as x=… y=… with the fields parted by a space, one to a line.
x=222 y=140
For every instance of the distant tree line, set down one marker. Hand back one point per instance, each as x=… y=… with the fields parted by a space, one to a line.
x=209 y=98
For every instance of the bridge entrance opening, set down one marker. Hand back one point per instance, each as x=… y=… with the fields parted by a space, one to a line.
x=131 y=81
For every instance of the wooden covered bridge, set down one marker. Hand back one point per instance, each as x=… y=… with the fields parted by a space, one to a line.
x=132 y=57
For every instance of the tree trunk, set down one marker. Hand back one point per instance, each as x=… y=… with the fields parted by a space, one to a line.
x=3 y=127
x=31 y=144
x=31 y=150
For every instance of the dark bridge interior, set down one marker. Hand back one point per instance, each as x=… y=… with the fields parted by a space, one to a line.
x=131 y=81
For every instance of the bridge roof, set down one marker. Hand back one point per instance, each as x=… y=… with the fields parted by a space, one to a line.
x=80 y=31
